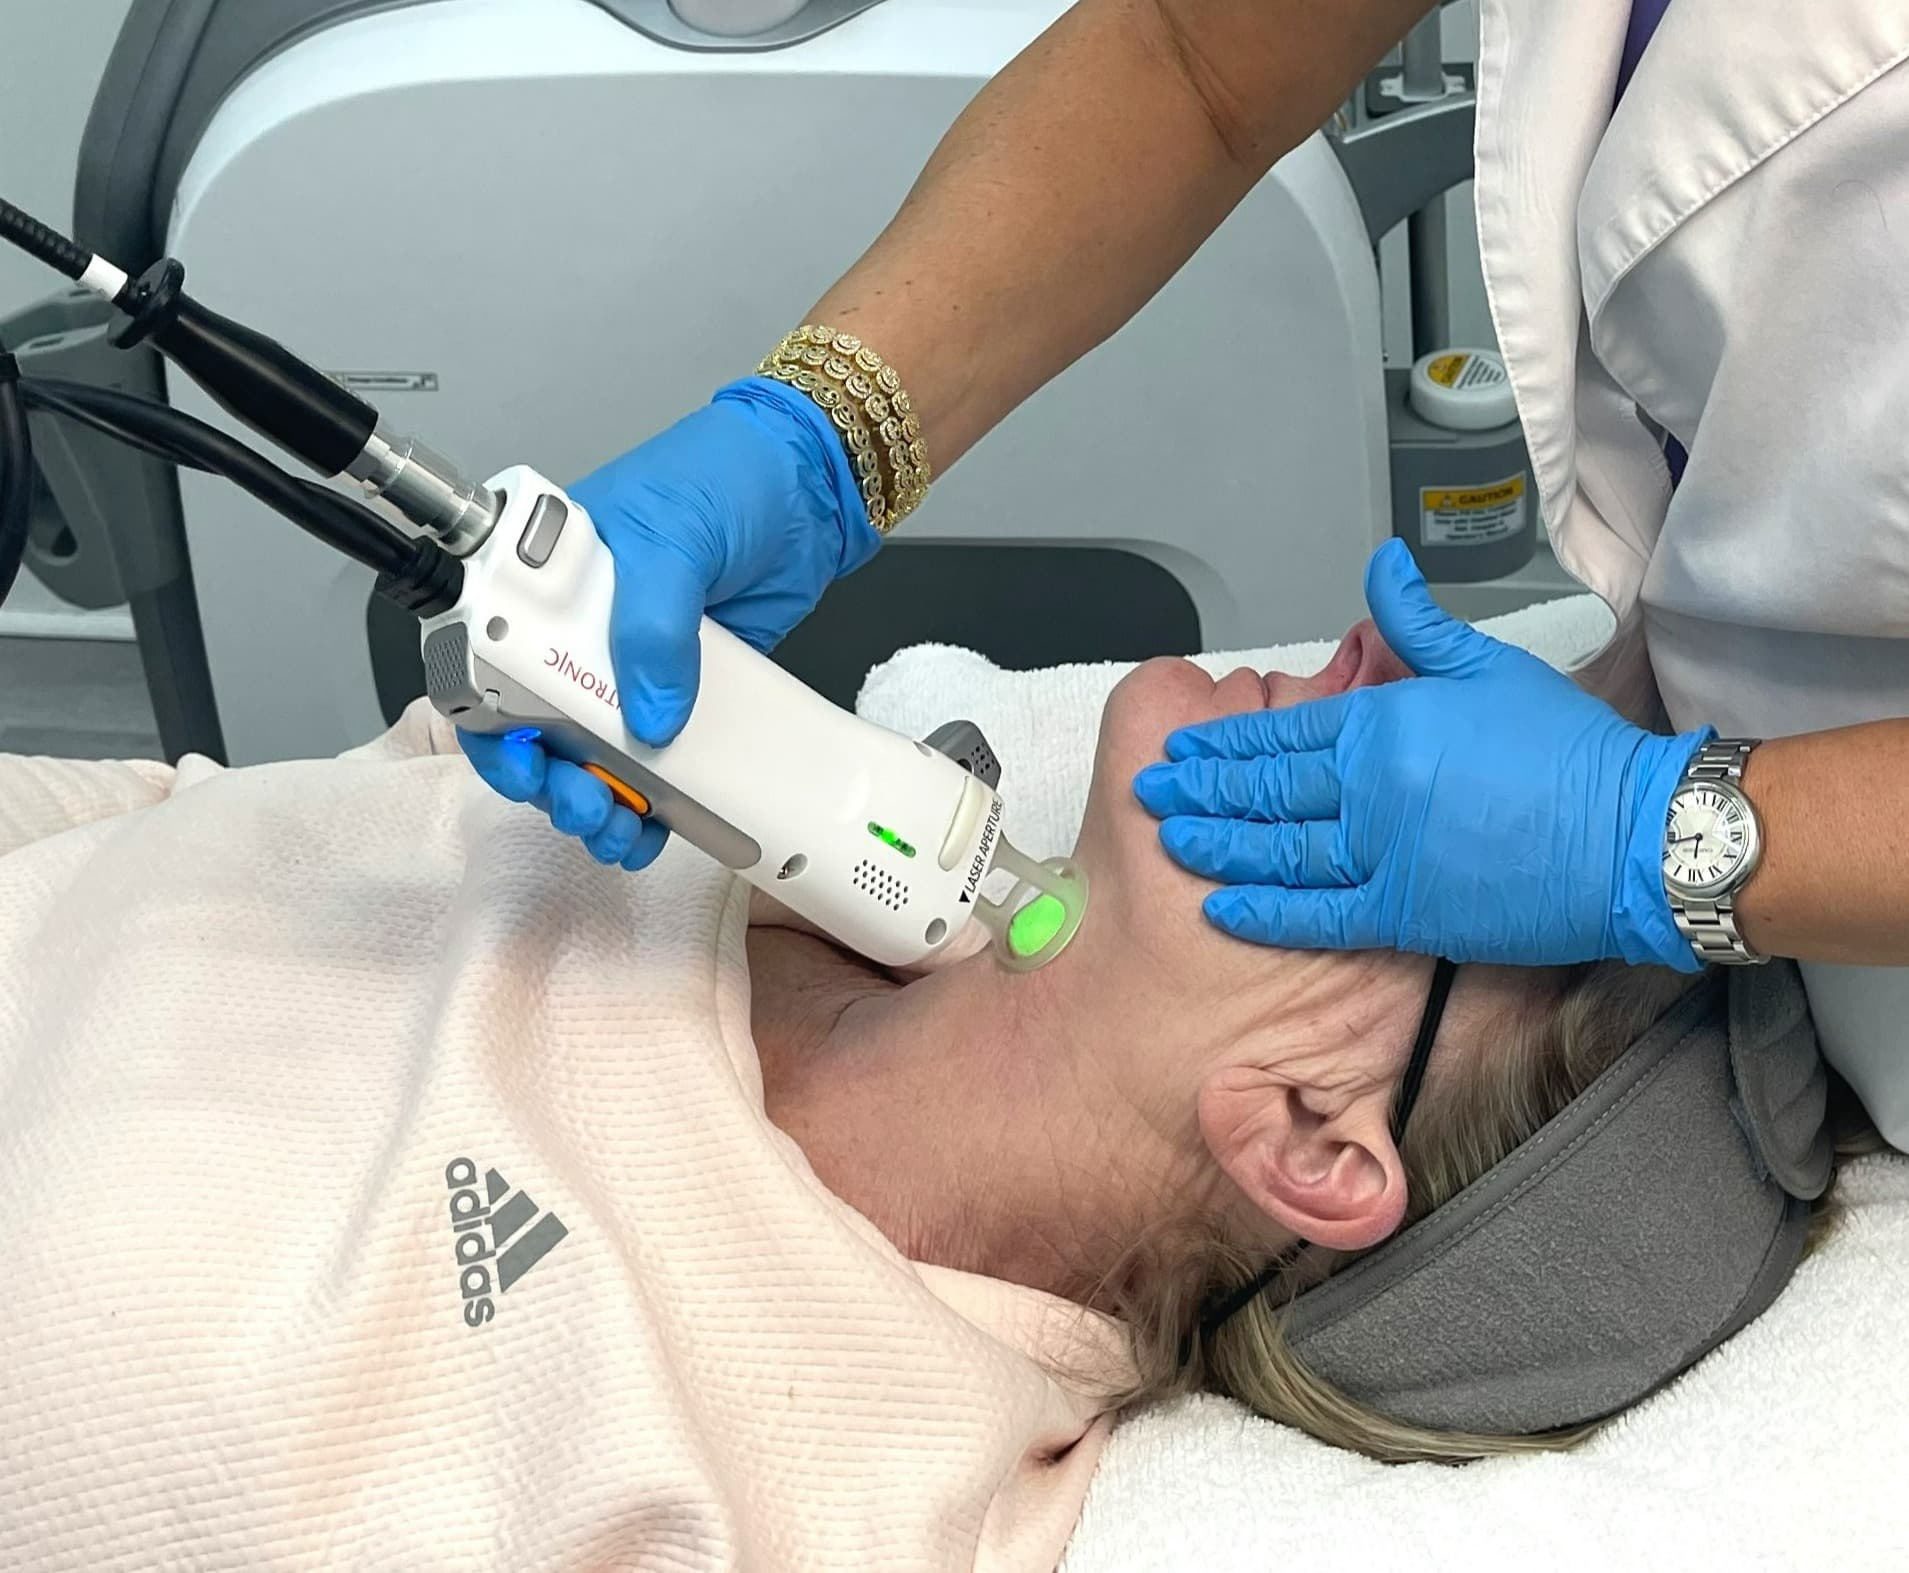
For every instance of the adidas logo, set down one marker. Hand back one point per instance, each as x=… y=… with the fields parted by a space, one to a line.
x=494 y=1228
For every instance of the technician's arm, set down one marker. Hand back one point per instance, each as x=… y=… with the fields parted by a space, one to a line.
x=1080 y=180
x=1833 y=884
x=1068 y=192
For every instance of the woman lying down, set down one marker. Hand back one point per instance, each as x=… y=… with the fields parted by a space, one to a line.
x=388 y=1185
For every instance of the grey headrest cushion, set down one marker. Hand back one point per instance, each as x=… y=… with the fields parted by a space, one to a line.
x=1782 y=1085
x=1630 y=1235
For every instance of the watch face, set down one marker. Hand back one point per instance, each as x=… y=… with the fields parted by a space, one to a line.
x=1708 y=840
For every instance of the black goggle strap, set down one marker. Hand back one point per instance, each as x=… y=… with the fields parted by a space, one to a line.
x=1231 y=1305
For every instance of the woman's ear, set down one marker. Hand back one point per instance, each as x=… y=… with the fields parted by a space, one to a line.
x=1320 y=1164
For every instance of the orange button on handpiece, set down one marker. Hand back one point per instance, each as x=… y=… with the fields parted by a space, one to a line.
x=628 y=796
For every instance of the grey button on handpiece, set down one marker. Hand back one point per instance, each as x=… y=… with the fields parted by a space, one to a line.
x=539 y=539
x=962 y=742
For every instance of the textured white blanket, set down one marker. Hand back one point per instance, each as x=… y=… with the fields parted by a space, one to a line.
x=1783 y=1450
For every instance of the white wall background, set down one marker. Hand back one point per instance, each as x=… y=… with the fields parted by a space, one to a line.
x=51 y=56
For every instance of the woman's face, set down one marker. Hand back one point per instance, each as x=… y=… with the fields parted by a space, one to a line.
x=1275 y=1066
x=1119 y=842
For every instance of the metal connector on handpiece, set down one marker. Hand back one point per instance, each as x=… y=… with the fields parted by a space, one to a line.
x=426 y=489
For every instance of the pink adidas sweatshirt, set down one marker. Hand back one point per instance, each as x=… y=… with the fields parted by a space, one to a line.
x=387 y=1186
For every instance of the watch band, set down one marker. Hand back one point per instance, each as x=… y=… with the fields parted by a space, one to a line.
x=1711 y=924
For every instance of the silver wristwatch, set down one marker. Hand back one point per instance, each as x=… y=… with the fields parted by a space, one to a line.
x=1712 y=842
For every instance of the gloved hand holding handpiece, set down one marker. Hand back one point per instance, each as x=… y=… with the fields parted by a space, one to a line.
x=1488 y=809
x=746 y=510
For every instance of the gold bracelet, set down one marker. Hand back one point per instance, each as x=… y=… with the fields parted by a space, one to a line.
x=864 y=399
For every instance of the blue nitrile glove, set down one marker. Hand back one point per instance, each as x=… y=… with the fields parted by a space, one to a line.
x=747 y=510
x=1487 y=810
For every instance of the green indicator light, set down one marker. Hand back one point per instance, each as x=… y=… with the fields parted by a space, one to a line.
x=889 y=838
x=1035 y=925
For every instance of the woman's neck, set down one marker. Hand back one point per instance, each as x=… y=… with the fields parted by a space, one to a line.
x=953 y=1113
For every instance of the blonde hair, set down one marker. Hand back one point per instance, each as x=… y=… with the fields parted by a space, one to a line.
x=1545 y=1052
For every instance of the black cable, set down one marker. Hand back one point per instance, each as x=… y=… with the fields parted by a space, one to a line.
x=38 y=397
x=44 y=394
x=336 y=520
x=417 y=574
x=16 y=473
x=34 y=238
x=248 y=375
x=58 y=397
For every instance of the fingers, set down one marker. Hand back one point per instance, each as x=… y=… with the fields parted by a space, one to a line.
x=612 y=844
x=627 y=841
x=1239 y=852
x=580 y=805
x=1298 y=919
x=512 y=767
x=577 y=802
x=1280 y=786
x=654 y=621
x=1421 y=633
x=650 y=841
x=1306 y=728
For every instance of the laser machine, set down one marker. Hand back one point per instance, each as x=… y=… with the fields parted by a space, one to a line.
x=551 y=227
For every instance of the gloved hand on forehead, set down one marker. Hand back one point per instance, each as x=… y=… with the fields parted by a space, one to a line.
x=747 y=510
x=1487 y=809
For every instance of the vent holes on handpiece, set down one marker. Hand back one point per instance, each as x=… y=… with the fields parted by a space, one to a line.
x=880 y=884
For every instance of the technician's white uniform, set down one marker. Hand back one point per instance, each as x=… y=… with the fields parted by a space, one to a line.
x=1729 y=254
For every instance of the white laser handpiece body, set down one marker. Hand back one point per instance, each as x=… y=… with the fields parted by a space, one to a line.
x=881 y=841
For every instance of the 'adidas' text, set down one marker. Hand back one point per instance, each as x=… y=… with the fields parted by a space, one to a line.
x=489 y=1231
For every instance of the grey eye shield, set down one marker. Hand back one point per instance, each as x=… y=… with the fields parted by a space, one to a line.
x=1663 y=1209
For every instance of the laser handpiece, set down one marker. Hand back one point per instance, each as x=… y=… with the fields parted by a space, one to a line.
x=882 y=842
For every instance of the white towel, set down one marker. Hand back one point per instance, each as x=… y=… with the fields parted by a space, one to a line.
x=1785 y=1449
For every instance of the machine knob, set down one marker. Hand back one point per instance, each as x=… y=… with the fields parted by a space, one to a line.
x=736 y=18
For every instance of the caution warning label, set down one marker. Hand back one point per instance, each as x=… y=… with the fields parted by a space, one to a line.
x=1472 y=515
x=1462 y=369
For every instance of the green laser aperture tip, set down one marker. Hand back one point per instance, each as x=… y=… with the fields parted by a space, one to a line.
x=1035 y=925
